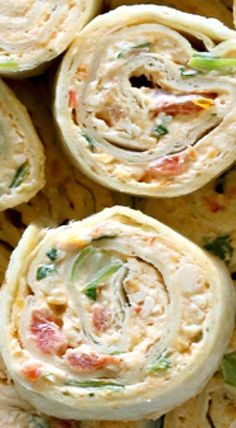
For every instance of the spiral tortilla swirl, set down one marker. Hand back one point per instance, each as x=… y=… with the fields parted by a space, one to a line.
x=133 y=115
x=115 y=315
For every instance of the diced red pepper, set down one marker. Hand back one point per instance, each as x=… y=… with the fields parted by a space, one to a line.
x=101 y=317
x=31 y=372
x=138 y=309
x=47 y=335
x=88 y=362
x=185 y=108
x=182 y=104
x=72 y=98
x=165 y=167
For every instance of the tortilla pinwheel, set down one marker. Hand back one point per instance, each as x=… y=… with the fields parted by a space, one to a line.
x=145 y=111
x=114 y=317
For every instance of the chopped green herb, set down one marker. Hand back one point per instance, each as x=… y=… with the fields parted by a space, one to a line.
x=161 y=364
x=90 y=289
x=78 y=260
x=121 y=53
x=206 y=61
x=91 y=394
x=52 y=254
x=93 y=384
x=220 y=247
x=229 y=368
x=91 y=293
x=160 y=127
x=142 y=45
x=19 y=175
x=90 y=141
x=38 y=422
x=139 y=46
x=188 y=73
x=160 y=130
x=10 y=64
x=100 y=268
x=43 y=271
x=105 y=237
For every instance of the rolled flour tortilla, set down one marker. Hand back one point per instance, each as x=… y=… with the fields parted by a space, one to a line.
x=146 y=112
x=116 y=316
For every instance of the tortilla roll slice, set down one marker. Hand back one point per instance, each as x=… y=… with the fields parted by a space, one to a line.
x=211 y=8
x=116 y=315
x=21 y=152
x=133 y=113
x=33 y=33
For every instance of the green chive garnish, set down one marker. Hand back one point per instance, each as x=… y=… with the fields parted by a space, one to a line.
x=139 y=46
x=19 y=175
x=52 y=254
x=160 y=130
x=10 y=64
x=93 y=384
x=43 y=271
x=90 y=141
x=206 y=61
x=78 y=260
x=105 y=237
x=161 y=364
x=90 y=289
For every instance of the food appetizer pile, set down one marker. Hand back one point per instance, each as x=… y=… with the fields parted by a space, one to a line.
x=117 y=214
